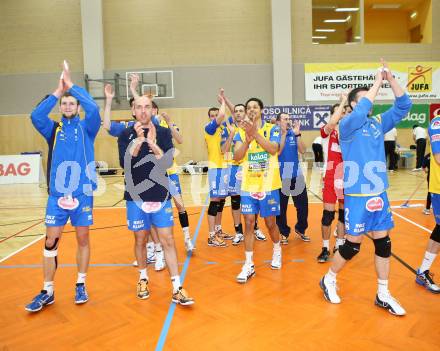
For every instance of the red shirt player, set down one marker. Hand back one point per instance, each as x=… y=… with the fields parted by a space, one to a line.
x=333 y=182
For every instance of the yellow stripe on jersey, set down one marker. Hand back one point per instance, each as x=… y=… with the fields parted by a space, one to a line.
x=260 y=169
x=215 y=156
x=173 y=168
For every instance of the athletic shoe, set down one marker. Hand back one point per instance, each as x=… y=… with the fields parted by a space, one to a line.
x=427 y=211
x=189 y=247
x=276 y=260
x=224 y=235
x=238 y=238
x=303 y=236
x=81 y=294
x=416 y=170
x=389 y=303
x=181 y=297
x=216 y=241
x=284 y=240
x=330 y=290
x=247 y=272
x=142 y=289
x=151 y=255
x=425 y=279
x=160 y=261
x=324 y=256
x=39 y=301
x=259 y=235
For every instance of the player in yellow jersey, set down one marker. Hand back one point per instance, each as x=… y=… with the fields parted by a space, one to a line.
x=175 y=189
x=258 y=144
x=424 y=277
x=217 y=174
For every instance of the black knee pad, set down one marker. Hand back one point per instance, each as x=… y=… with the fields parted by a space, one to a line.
x=51 y=247
x=183 y=219
x=213 y=208
x=327 y=217
x=221 y=205
x=435 y=235
x=341 y=217
x=382 y=247
x=349 y=249
x=235 y=202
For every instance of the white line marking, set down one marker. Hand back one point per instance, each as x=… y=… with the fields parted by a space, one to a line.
x=22 y=248
x=412 y=222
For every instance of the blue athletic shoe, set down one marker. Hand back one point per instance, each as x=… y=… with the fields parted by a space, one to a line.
x=39 y=301
x=81 y=294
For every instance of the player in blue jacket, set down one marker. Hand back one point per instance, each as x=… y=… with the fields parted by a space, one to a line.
x=367 y=209
x=71 y=179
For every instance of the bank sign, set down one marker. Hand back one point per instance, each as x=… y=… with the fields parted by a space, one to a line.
x=419 y=114
x=326 y=81
x=309 y=117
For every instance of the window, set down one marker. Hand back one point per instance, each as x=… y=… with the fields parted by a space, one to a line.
x=371 y=21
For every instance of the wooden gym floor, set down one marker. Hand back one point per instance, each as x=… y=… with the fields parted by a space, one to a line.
x=282 y=310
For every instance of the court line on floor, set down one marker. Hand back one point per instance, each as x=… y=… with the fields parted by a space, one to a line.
x=22 y=231
x=22 y=248
x=412 y=222
x=167 y=324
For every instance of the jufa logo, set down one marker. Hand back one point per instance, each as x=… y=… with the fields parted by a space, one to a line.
x=419 y=79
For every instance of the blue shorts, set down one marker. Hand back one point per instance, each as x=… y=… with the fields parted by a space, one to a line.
x=235 y=174
x=435 y=202
x=218 y=182
x=60 y=209
x=264 y=203
x=367 y=213
x=175 y=188
x=142 y=215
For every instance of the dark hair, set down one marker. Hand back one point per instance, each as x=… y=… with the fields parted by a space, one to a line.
x=239 y=105
x=257 y=100
x=131 y=101
x=348 y=107
x=155 y=106
x=281 y=113
x=66 y=94
x=415 y=126
x=334 y=107
x=212 y=109
x=353 y=94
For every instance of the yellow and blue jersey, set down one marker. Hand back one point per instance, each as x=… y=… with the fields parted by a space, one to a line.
x=213 y=134
x=260 y=169
x=434 y=173
x=229 y=155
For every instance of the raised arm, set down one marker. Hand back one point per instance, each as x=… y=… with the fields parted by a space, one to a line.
x=109 y=95
x=229 y=104
x=134 y=81
x=40 y=115
x=297 y=131
x=227 y=138
x=336 y=116
x=175 y=133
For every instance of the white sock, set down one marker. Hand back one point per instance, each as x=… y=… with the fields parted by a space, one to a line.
x=48 y=286
x=249 y=257
x=150 y=246
x=186 y=233
x=211 y=234
x=326 y=244
x=143 y=274
x=277 y=246
x=158 y=247
x=339 y=242
x=176 y=283
x=81 y=278
x=427 y=261
x=330 y=276
x=382 y=286
x=218 y=227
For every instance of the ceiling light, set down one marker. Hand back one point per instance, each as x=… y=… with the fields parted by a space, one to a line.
x=323 y=7
x=348 y=18
x=385 y=6
x=315 y=43
x=357 y=37
x=325 y=30
x=414 y=15
x=347 y=9
x=319 y=37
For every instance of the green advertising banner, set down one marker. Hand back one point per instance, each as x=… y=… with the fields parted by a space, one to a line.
x=419 y=114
